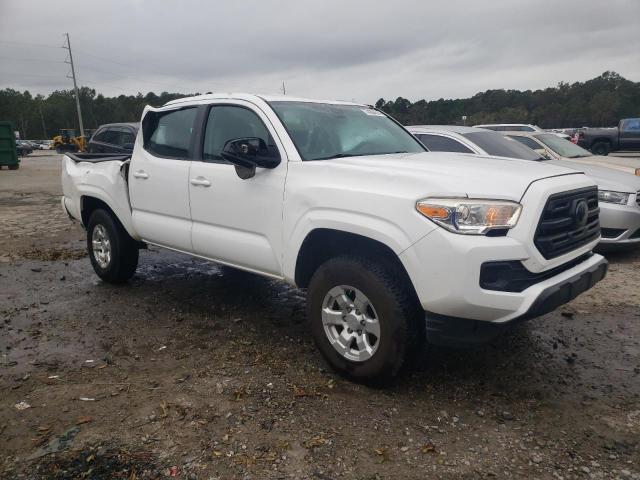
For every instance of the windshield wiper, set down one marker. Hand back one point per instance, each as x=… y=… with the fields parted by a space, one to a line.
x=345 y=155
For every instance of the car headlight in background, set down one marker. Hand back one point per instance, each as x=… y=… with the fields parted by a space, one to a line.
x=609 y=196
x=470 y=216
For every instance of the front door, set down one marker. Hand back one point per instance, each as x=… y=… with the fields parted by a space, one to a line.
x=236 y=221
x=159 y=178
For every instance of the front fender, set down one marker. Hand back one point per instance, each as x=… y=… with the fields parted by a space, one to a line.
x=377 y=228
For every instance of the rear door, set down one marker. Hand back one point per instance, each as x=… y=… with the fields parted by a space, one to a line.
x=236 y=221
x=159 y=178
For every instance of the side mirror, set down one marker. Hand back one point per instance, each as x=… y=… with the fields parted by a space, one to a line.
x=543 y=153
x=248 y=153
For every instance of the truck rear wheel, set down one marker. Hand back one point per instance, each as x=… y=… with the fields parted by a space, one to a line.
x=363 y=318
x=601 y=148
x=113 y=253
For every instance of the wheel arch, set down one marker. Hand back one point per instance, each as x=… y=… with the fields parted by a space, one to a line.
x=90 y=202
x=321 y=244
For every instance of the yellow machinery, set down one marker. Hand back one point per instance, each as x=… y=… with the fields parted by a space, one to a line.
x=67 y=141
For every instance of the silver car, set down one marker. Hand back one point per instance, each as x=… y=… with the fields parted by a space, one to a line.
x=619 y=192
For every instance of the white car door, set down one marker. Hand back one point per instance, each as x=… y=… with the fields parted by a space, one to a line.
x=236 y=221
x=159 y=178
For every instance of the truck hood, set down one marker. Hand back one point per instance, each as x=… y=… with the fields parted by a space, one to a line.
x=440 y=173
x=606 y=178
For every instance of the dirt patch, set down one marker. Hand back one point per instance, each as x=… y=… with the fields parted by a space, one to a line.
x=197 y=371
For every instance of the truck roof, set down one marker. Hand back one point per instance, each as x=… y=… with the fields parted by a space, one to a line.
x=253 y=97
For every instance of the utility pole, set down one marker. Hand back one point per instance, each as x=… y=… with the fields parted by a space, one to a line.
x=75 y=85
x=284 y=89
x=44 y=129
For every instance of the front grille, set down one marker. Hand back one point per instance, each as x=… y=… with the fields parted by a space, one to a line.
x=565 y=224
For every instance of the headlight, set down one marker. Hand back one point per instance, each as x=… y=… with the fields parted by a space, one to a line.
x=613 y=197
x=470 y=216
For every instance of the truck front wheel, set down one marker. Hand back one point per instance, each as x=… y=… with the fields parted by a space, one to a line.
x=601 y=148
x=363 y=319
x=113 y=253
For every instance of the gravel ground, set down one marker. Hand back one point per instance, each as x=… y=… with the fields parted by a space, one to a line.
x=196 y=371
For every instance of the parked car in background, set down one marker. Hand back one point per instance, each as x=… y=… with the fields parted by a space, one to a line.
x=395 y=245
x=519 y=127
x=113 y=138
x=24 y=148
x=601 y=141
x=619 y=193
x=549 y=145
x=512 y=127
x=33 y=144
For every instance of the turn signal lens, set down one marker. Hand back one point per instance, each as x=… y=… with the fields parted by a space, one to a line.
x=470 y=216
x=433 y=212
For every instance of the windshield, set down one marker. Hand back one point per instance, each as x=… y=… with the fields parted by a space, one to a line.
x=321 y=131
x=500 y=146
x=562 y=147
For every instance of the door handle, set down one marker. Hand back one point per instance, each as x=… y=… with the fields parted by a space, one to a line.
x=141 y=174
x=200 y=182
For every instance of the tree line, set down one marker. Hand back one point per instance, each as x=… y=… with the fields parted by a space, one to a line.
x=601 y=101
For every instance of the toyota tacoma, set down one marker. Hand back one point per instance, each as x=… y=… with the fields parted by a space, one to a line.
x=396 y=246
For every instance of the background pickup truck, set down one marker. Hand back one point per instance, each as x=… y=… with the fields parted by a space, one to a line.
x=395 y=245
x=601 y=141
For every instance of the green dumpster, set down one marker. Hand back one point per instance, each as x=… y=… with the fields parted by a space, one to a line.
x=8 y=153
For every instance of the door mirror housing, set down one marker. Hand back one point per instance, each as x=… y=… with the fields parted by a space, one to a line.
x=248 y=153
x=543 y=153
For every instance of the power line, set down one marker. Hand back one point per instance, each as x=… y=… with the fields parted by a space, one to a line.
x=31 y=60
x=29 y=44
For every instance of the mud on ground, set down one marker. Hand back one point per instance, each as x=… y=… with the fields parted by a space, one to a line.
x=197 y=371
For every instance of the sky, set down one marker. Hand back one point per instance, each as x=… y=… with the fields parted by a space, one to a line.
x=332 y=49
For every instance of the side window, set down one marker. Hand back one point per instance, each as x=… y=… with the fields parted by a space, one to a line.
x=168 y=134
x=127 y=137
x=112 y=136
x=227 y=122
x=631 y=125
x=528 y=142
x=100 y=135
x=438 y=143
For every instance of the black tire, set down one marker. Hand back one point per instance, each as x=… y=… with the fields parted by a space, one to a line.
x=601 y=148
x=124 y=250
x=401 y=319
x=14 y=167
x=59 y=149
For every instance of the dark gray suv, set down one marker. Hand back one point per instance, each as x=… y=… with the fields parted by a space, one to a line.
x=114 y=138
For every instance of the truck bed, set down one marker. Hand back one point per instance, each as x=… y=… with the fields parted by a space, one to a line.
x=97 y=157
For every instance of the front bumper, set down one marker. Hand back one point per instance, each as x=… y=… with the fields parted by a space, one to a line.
x=620 y=224
x=452 y=331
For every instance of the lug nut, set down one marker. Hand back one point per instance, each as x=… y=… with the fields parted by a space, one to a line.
x=362 y=322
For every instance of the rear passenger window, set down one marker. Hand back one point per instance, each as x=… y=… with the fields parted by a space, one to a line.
x=168 y=134
x=438 y=143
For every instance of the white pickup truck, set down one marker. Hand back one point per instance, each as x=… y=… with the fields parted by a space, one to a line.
x=395 y=245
